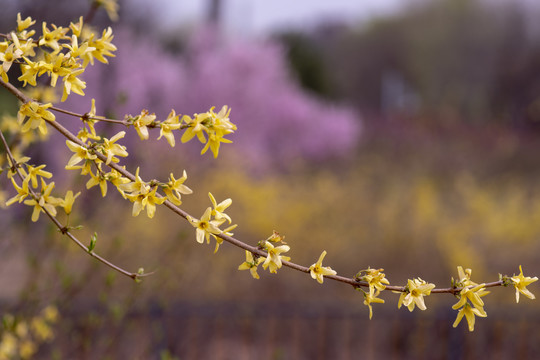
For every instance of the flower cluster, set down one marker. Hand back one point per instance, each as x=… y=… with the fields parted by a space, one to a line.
x=21 y=338
x=85 y=156
x=208 y=225
x=251 y=263
x=208 y=124
x=414 y=294
x=37 y=114
x=273 y=259
x=39 y=197
x=215 y=126
x=376 y=281
x=60 y=55
x=143 y=195
x=63 y=57
x=174 y=189
x=470 y=302
x=11 y=126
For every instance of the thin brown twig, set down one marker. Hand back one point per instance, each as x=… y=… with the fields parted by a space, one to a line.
x=64 y=230
x=24 y=98
x=91 y=13
x=351 y=281
x=86 y=116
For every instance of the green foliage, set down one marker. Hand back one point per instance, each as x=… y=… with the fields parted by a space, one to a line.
x=306 y=60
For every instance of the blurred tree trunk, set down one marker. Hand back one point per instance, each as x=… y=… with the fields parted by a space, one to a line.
x=214 y=12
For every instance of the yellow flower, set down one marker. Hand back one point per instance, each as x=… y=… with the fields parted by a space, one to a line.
x=73 y=83
x=34 y=172
x=56 y=66
x=215 y=125
x=3 y=75
x=84 y=51
x=81 y=153
x=473 y=295
x=86 y=167
x=521 y=282
x=140 y=122
x=372 y=298
x=84 y=134
x=251 y=264
x=135 y=187
x=222 y=125
x=27 y=349
x=19 y=160
x=24 y=24
x=175 y=188
x=37 y=114
x=98 y=179
x=76 y=28
x=24 y=44
x=415 y=291
x=195 y=128
x=205 y=227
x=227 y=232
x=213 y=144
x=110 y=6
x=42 y=329
x=11 y=54
x=69 y=200
x=44 y=94
x=375 y=279
x=469 y=313
x=111 y=149
x=117 y=179
x=50 y=38
x=29 y=72
x=22 y=192
x=8 y=346
x=89 y=120
x=318 y=271
x=465 y=277
x=21 y=329
x=103 y=47
x=274 y=259
x=50 y=313
x=44 y=201
x=218 y=210
x=146 y=199
x=276 y=237
x=166 y=127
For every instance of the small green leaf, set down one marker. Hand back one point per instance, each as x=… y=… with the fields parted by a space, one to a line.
x=140 y=273
x=93 y=241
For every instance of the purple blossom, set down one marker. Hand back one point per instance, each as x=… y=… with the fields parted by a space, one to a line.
x=277 y=120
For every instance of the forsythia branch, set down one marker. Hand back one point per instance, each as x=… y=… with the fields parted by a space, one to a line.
x=209 y=128
x=70 y=136
x=64 y=230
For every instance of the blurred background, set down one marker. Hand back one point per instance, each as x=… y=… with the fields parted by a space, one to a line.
x=394 y=134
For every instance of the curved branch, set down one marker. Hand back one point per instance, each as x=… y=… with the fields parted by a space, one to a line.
x=351 y=281
x=67 y=112
x=62 y=228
